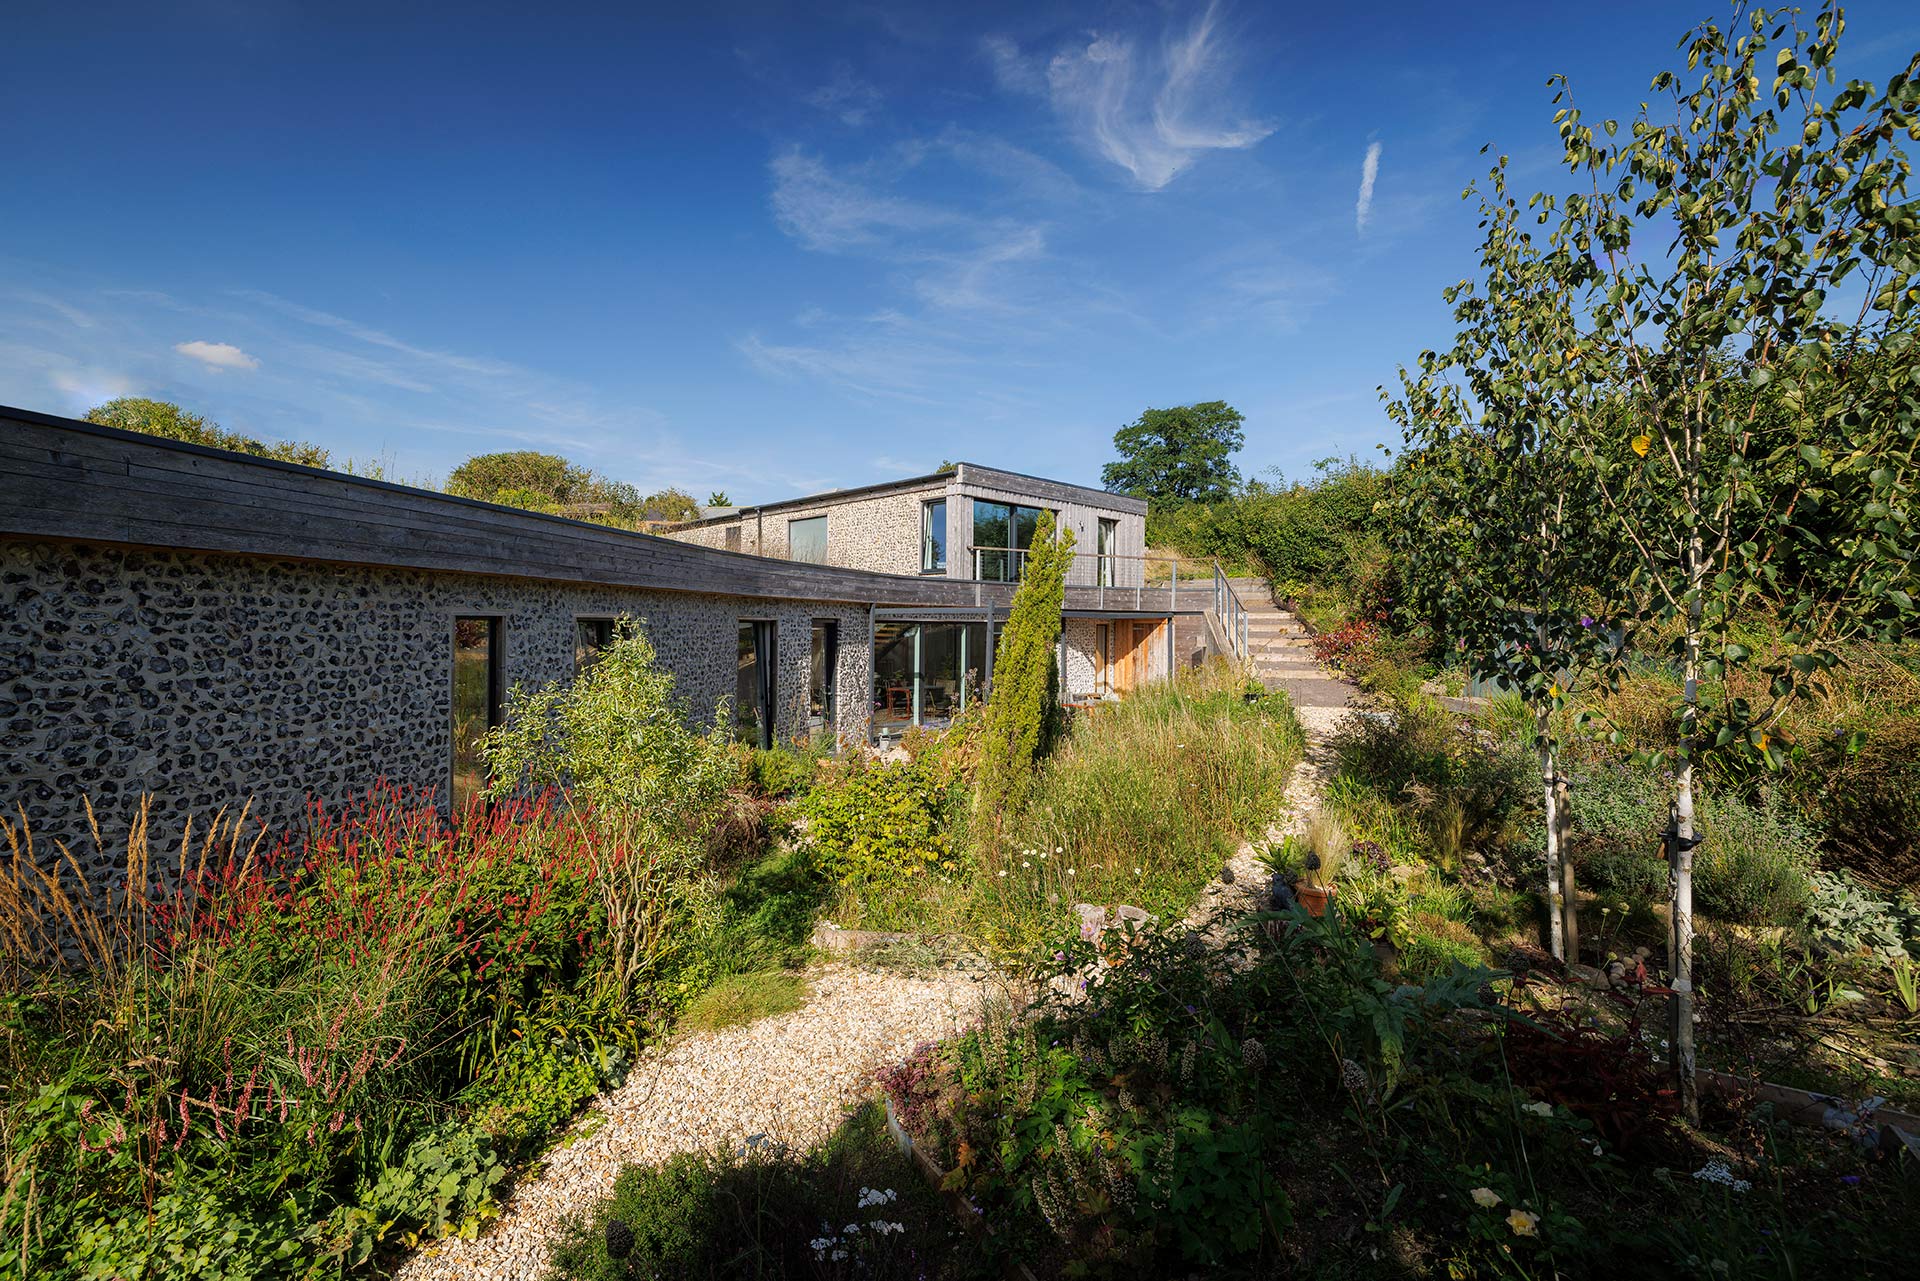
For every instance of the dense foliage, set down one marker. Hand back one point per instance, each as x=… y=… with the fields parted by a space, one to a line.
x=550 y=483
x=163 y=418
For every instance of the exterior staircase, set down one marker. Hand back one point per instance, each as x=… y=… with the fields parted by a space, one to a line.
x=1281 y=656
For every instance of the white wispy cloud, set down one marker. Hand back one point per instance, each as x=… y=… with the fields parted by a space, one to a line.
x=1369 y=171
x=1153 y=112
x=217 y=355
x=846 y=97
x=833 y=211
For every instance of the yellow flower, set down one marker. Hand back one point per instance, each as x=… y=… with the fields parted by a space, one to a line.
x=1641 y=444
x=1523 y=1223
x=1486 y=1198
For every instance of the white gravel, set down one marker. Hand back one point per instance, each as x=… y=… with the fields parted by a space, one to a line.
x=793 y=1078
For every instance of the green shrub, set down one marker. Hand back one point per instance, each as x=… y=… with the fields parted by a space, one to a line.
x=619 y=737
x=1850 y=916
x=880 y=824
x=1435 y=945
x=1754 y=864
x=786 y=769
x=852 y=1207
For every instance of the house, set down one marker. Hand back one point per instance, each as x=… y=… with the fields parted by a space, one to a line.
x=205 y=626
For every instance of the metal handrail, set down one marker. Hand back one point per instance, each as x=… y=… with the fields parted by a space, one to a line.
x=1232 y=613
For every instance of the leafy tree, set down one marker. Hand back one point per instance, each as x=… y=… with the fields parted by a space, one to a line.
x=719 y=498
x=549 y=483
x=166 y=419
x=670 y=504
x=1022 y=703
x=1496 y=512
x=1716 y=238
x=1179 y=455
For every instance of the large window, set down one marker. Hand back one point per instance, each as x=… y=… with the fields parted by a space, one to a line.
x=807 y=539
x=933 y=537
x=753 y=685
x=926 y=673
x=1002 y=533
x=476 y=704
x=1109 y=536
x=822 y=685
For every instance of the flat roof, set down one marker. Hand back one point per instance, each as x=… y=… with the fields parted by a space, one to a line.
x=961 y=473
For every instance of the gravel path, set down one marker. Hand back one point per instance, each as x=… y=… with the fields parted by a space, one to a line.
x=793 y=1078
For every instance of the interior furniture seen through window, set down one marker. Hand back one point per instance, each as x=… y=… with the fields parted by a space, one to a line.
x=753 y=685
x=1002 y=533
x=591 y=637
x=1109 y=536
x=807 y=539
x=821 y=680
x=476 y=704
x=933 y=537
x=926 y=673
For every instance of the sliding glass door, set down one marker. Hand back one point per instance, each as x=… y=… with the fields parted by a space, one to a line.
x=925 y=673
x=753 y=716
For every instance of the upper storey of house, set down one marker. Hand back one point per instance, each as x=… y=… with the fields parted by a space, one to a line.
x=971 y=522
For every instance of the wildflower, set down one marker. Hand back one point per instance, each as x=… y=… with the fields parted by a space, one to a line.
x=1024 y=863
x=1586 y=620
x=1003 y=873
x=1717 y=1172
x=1485 y=1198
x=1137 y=872
x=1069 y=871
x=1059 y=849
x=1851 y=1180
x=1253 y=1054
x=1524 y=1224
x=1540 y=1109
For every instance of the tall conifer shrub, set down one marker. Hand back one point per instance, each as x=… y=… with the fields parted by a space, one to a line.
x=1022 y=700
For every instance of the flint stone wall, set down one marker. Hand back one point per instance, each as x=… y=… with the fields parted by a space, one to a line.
x=207 y=680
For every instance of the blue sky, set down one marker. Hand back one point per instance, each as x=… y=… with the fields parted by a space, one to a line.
x=771 y=249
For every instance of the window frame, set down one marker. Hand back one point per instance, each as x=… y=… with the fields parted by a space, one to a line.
x=583 y=659
x=927 y=564
x=496 y=692
x=826 y=532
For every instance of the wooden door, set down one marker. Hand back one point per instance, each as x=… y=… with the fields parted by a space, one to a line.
x=1132 y=654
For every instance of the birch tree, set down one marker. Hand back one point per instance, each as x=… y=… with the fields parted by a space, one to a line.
x=1749 y=237
x=1498 y=513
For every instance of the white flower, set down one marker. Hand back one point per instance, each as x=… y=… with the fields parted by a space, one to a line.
x=1136 y=871
x=1003 y=873
x=1486 y=1198
x=1717 y=1172
x=1059 y=849
x=1524 y=1223
x=1540 y=1109
x=1069 y=871
x=1024 y=863
x=1043 y=853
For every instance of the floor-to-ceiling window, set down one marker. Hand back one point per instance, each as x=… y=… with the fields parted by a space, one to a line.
x=1002 y=533
x=822 y=682
x=926 y=673
x=476 y=704
x=753 y=715
x=1108 y=537
x=933 y=537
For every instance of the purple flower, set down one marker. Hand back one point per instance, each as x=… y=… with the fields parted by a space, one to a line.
x=1586 y=621
x=1851 y=1180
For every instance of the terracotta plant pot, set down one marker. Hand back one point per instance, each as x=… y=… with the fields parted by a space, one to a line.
x=1314 y=897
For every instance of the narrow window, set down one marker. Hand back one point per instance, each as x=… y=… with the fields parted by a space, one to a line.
x=733 y=538
x=591 y=638
x=933 y=537
x=821 y=682
x=753 y=685
x=1109 y=536
x=476 y=704
x=807 y=539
